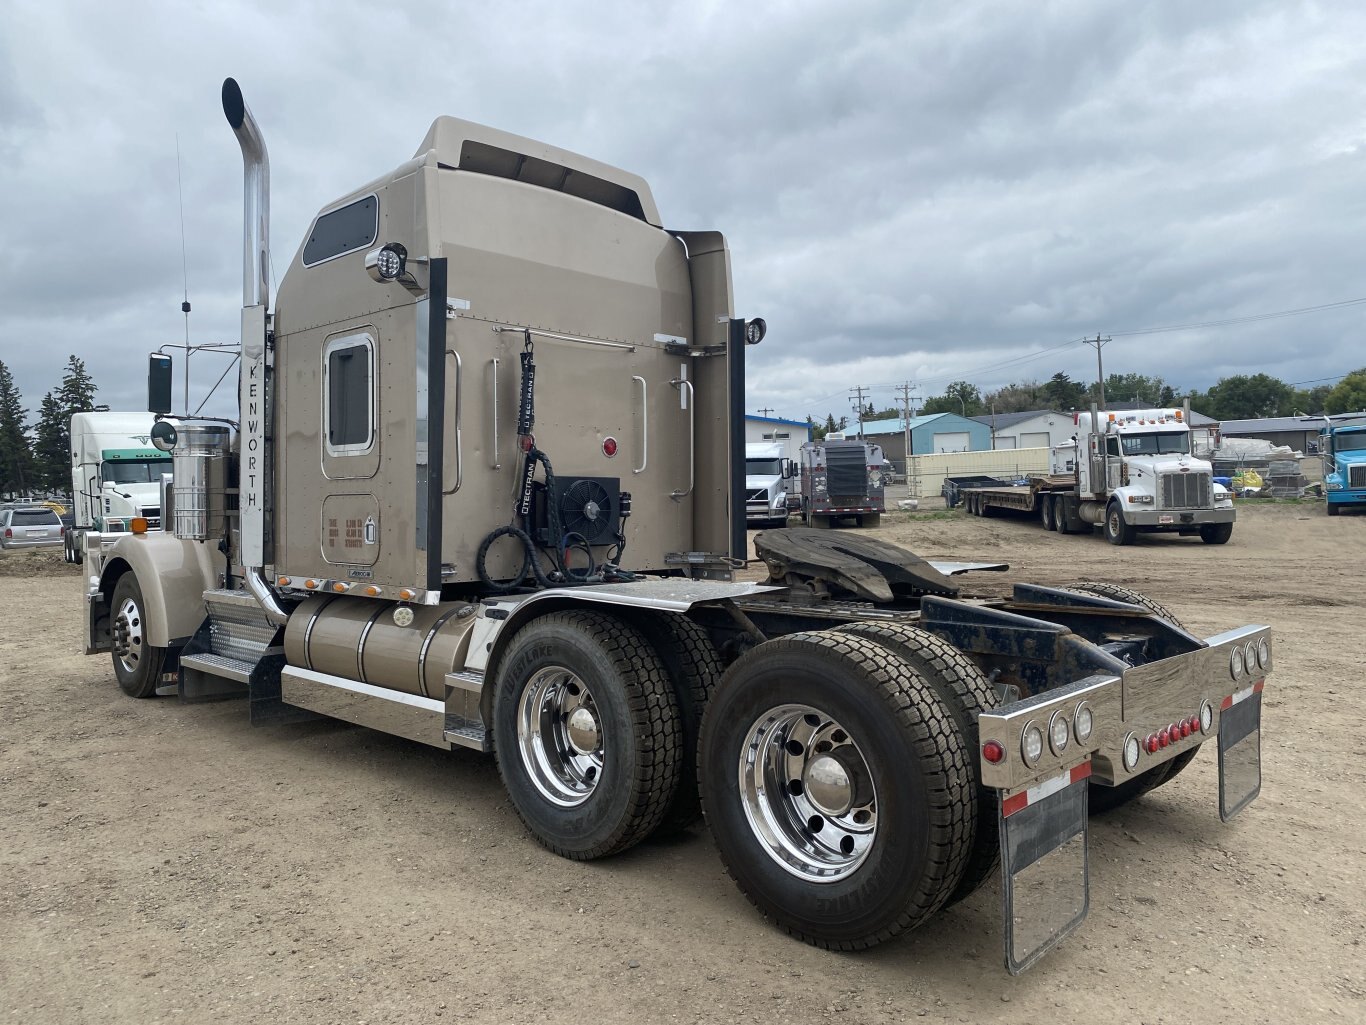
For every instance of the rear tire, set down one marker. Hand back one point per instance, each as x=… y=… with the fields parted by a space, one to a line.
x=586 y=733
x=1118 y=531
x=837 y=788
x=1104 y=799
x=965 y=692
x=137 y=664
x=1216 y=533
x=694 y=669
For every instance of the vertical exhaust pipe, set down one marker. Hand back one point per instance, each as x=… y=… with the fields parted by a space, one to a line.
x=254 y=465
x=255 y=197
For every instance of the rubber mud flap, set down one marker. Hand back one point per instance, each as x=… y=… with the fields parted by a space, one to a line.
x=1045 y=876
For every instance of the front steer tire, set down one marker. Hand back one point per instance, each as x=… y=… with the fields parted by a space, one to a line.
x=582 y=799
x=1118 y=530
x=908 y=766
x=1216 y=533
x=137 y=664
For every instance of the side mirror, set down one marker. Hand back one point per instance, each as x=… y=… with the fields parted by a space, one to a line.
x=164 y=435
x=158 y=384
x=788 y=470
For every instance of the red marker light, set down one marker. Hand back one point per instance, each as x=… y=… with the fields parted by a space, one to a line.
x=1162 y=740
x=609 y=447
x=1186 y=728
x=1151 y=745
x=993 y=752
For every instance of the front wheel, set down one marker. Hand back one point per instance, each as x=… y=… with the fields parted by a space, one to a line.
x=137 y=664
x=1216 y=533
x=1334 y=509
x=586 y=733
x=837 y=787
x=1118 y=531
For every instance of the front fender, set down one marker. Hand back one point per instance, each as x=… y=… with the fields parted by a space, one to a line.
x=1123 y=494
x=173 y=575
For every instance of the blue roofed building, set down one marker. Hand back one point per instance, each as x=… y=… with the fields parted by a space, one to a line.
x=936 y=433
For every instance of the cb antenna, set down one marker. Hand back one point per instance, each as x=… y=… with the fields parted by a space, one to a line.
x=184 y=271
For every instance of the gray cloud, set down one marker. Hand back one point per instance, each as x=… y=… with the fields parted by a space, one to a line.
x=911 y=192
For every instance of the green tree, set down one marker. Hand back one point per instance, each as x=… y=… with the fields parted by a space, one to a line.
x=1063 y=393
x=16 y=460
x=1017 y=398
x=1147 y=391
x=1311 y=402
x=1348 y=395
x=1243 y=397
x=51 y=450
x=959 y=397
x=76 y=394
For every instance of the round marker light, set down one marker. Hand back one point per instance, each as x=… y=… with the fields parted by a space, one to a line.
x=1031 y=744
x=1059 y=733
x=1236 y=664
x=1264 y=653
x=1162 y=740
x=1131 y=752
x=387 y=262
x=994 y=752
x=1083 y=722
x=609 y=447
x=1250 y=657
x=1185 y=729
x=1206 y=717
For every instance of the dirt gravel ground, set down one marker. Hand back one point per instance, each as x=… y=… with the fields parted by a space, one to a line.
x=169 y=863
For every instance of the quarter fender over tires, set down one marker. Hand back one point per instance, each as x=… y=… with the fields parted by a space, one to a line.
x=837 y=788
x=586 y=733
x=1103 y=799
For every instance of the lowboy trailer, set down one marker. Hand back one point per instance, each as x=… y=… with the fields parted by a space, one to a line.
x=380 y=537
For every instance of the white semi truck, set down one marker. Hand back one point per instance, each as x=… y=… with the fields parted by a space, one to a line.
x=767 y=475
x=1129 y=472
x=485 y=490
x=115 y=475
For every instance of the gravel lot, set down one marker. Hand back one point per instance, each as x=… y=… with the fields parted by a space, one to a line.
x=168 y=863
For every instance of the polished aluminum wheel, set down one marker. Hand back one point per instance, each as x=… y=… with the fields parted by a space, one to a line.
x=128 y=641
x=560 y=735
x=807 y=793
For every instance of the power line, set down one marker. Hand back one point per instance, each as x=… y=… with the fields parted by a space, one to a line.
x=1250 y=318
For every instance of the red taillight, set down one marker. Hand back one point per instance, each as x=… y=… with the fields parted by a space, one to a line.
x=1162 y=740
x=609 y=447
x=1151 y=745
x=8 y=532
x=1186 y=728
x=993 y=752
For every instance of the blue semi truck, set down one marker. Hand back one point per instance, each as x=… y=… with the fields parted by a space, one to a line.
x=1343 y=449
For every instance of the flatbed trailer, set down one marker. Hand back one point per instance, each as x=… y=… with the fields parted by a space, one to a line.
x=1044 y=495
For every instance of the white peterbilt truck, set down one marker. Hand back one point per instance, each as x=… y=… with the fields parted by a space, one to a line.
x=1129 y=472
x=485 y=489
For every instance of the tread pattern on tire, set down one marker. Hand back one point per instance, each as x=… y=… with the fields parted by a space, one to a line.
x=962 y=689
x=939 y=745
x=694 y=668
x=654 y=713
x=1104 y=799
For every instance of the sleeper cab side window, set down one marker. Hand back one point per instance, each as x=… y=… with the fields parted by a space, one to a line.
x=349 y=395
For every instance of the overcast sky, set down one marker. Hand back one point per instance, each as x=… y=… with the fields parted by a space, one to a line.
x=911 y=191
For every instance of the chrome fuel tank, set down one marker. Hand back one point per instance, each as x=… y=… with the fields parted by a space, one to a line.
x=402 y=647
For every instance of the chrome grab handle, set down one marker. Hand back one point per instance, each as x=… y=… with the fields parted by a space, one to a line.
x=680 y=384
x=644 y=424
x=459 y=455
x=494 y=363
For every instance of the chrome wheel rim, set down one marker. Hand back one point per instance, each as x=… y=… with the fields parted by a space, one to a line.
x=1114 y=522
x=128 y=643
x=559 y=733
x=807 y=793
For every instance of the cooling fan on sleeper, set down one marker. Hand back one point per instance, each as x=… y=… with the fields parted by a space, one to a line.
x=588 y=506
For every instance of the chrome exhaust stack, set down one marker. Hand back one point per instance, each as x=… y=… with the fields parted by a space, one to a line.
x=252 y=397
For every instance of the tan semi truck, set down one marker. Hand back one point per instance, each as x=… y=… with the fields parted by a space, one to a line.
x=485 y=489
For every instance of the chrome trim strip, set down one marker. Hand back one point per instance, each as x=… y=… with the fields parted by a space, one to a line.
x=513 y=329
x=427 y=643
x=360 y=643
x=644 y=424
x=691 y=402
x=459 y=452
x=494 y=364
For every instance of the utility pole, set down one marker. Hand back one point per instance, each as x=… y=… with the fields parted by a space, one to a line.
x=765 y=410
x=1099 y=344
x=907 y=412
x=858 y=391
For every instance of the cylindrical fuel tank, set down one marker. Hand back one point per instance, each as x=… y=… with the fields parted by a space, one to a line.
x=1092 y=513
x=362 y=639
x=200 y=463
